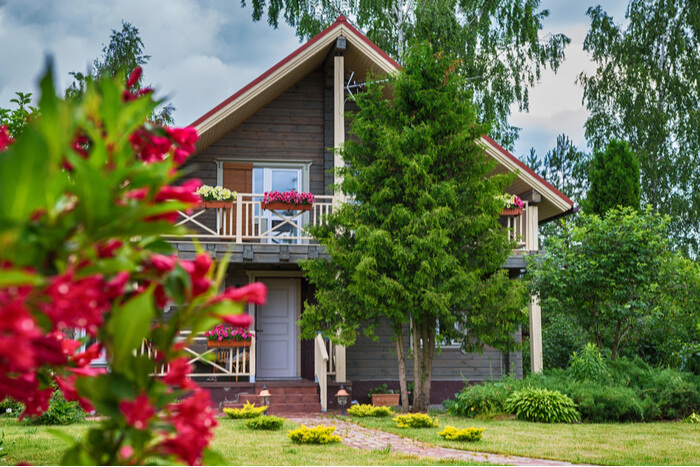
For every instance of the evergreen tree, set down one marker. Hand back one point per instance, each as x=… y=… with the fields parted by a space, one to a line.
x=614 y=176
x=420 y=246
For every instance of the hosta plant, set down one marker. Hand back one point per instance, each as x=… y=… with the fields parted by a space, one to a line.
x=415 y=420
x=451 y=433
x=542 y=405
x=320 y=434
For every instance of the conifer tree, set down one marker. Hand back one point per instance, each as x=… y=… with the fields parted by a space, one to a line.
x=614 y=178
x=420 y=246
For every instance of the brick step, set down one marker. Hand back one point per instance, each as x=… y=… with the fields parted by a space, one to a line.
x=291 y=390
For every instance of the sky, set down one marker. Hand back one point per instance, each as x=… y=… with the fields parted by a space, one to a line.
x=202 y=51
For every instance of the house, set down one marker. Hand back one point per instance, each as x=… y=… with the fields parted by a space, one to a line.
x=274 y=134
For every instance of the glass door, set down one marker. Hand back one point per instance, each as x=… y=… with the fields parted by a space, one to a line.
x=280 y=223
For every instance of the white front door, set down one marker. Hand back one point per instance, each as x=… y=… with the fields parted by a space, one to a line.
x=276 y=326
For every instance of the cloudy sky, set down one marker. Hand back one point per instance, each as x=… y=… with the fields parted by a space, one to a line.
x=202 y=51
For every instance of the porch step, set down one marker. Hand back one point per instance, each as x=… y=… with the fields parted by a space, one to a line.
x=287 y=397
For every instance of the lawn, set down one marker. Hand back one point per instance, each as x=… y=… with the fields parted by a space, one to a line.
x=662 y=443
x=236 y=443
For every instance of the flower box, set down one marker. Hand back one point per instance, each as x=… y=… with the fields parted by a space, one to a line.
x=216 y=204
x=228 y=343
x=280 y=206
x=512 y=212
x=392 y=400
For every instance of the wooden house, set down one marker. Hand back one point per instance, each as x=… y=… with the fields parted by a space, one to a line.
x=275 y=134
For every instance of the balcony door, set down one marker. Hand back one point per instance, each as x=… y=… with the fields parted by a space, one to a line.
x=278 y=179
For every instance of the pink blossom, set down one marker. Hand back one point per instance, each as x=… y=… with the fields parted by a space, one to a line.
x=137 y=412
x=243 y=320
x=178 y=372
x=163 y=263
x=5 y=139
x=194 y=422
x=252 y=293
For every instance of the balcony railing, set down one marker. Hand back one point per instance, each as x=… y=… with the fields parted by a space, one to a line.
x=246 y=222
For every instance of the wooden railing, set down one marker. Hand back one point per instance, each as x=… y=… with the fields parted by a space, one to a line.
x=246 y=221
x=213 y=362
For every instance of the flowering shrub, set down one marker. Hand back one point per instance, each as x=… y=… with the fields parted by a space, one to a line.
x=320 y=434
x=216 y=193
x=511 y=201
x=288 y=197
x=88 y=254
x=226 y=333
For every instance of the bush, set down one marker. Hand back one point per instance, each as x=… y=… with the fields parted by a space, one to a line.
x=692 y=418
x=367 y=410
x=247 y=411
x=600 y=404
x=61 y=412
x=269 y=422
x=465 y=434
x=560 y=337
x=542 y=405
x=415 y=420
x=11 y=408
x=320 y=434
x=589 y=365
x=482 y=399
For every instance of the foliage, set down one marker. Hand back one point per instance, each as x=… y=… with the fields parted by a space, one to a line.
x=561 y=336
x=320 y=434
x=288 y=197
x=645 y=91
x=222 y=333
x=88 y=254
x=542 y=405
x=421 y=244
x=247 y=411
x=368 y=410
x=380 y=389
x=485 y=399
x=60 y=412
x=123 y=54
x=470 y=434
x=604 y=274
x=269 y=422
x=589 y=365
x=15 y=119
x=692 y=418
x=614 y=177
x=415 y=420
x=603 y=404
x=498 y=42
x=10 y=407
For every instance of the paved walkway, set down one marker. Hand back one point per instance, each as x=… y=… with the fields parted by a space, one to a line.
x=359 y=437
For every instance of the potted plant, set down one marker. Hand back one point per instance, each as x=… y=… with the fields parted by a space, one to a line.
x=228 y=336
x=287 y=201
x=216 y=197
x=513 y=205
x=382 y=395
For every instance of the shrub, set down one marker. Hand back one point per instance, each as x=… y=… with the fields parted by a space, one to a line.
x=11 y=408
x=589 y=365
x=415 y=420
x=600 y=404
x=692 y=418
x=560 y=337
x=367 y=410
x=320 y=434
x=61 y=412
x=465 y=434
x=542 y=405
x=482 y=399
x=269 y=422
x=247 y=411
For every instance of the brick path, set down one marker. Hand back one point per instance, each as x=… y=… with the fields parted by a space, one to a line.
x=359 y=437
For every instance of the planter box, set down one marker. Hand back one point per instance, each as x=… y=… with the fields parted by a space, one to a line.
x=279 y=206
x=216 y=204
x=228 y=343
x=392 y=400
x=512 y=212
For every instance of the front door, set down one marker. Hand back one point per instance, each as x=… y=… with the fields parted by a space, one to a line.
x=277 y=330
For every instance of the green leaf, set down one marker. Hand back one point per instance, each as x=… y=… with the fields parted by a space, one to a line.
x=15 y=277
x=130 y=323
x=211 y=457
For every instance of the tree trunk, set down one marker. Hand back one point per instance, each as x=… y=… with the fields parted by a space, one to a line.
x=423 y=333
x=401 y=355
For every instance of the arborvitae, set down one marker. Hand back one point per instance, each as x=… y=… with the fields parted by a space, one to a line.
x=614 y=176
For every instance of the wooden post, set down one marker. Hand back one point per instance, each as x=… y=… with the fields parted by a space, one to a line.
x=338 y=122
x=340 y=368
x=532 y=242
x=239 y=219
x=320 y=368
x=536 y=361
x=252 y=358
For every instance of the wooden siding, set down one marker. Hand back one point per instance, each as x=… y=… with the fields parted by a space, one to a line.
x=371 y=360
x=290 y=128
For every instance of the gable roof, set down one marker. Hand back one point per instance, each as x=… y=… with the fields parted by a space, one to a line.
x=362 y=56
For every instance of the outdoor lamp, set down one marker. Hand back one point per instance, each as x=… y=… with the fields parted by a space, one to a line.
x=342 y=396
x=265 y=396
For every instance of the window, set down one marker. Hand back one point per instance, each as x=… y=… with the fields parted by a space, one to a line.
x=102 y=359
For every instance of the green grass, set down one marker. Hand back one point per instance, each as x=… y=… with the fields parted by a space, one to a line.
x=236 y=443
x=663 y=443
